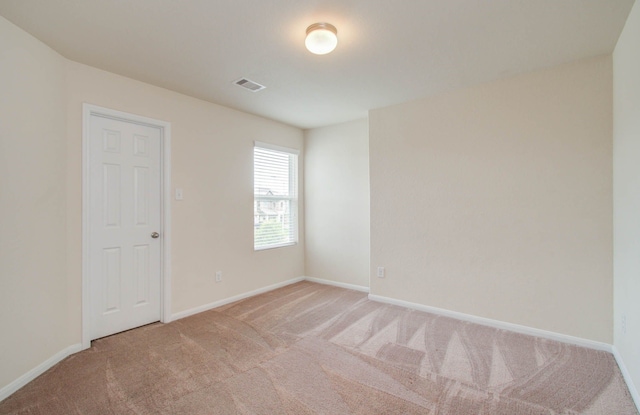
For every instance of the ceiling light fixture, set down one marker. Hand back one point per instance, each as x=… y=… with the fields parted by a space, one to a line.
x=321 y=38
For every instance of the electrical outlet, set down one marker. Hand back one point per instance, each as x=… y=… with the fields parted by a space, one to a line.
x=623 y=324
x=218 y=276
x=380 y=272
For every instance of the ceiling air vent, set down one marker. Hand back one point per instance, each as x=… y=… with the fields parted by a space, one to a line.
x=250 y=85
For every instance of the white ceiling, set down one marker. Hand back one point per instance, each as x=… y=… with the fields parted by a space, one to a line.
x=388 y=51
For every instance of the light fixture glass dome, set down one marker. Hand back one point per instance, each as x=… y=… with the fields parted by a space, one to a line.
x=321 y=38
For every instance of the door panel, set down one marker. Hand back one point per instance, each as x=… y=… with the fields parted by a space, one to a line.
x=111 y=274
x=141 y=274
x=125 y=203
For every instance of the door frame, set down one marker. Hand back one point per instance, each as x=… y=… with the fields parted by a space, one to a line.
x=89 y=110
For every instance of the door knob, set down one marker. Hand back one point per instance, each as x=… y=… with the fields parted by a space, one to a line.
x=155 y=235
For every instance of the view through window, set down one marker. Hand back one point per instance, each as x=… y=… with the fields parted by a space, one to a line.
x=275 y=194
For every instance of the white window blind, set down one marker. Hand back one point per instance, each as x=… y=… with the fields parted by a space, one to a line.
x=275 y=196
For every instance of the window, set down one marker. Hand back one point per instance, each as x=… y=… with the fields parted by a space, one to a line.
x=275 y=196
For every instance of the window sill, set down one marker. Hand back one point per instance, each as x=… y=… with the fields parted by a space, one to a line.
x=265 y=248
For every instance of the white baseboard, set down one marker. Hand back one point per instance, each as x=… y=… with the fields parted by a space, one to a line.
x=8 y=390
x=578 y=341
x=338 y=284
x=627 y=377
x=225 y=301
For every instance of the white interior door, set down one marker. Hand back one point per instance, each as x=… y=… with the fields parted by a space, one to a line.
x=124 y=167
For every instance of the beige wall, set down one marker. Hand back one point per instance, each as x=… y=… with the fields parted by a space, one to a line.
x=212 y=161
x=337 y=203
x=626 y=192
x=33 y=290
x=496 y=200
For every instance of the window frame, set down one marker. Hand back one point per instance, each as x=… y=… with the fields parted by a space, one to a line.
x=292 y=196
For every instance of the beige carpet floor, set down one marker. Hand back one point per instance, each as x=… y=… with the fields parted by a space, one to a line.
x=315 y=349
